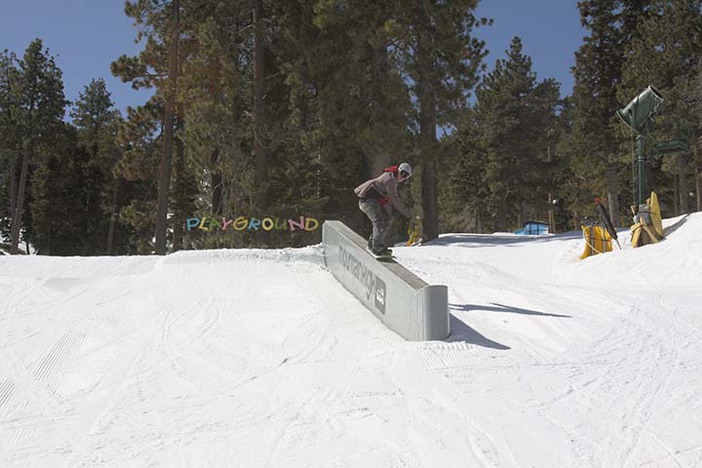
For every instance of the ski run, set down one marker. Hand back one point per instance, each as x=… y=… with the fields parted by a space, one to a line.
x=253 y=358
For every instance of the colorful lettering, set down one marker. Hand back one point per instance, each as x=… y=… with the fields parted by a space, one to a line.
x=240 y=223
x=267 y=224
x=311 y=224
x=294 y=224
x=226 y=222
x=214 y=222
x=254 y=224
x=280 y=224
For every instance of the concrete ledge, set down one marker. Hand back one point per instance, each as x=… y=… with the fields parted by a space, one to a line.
x=402 y=301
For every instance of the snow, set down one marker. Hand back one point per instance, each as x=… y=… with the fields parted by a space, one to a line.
x=260 y=358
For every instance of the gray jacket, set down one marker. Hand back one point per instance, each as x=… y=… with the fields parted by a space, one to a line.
x=386 y=186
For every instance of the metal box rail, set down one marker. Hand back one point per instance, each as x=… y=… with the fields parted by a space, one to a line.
x=401 y=300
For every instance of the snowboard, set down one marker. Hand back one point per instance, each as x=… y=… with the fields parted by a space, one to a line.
x=384 y=257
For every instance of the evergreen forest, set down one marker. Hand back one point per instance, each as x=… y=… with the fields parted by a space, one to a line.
x=279 y=108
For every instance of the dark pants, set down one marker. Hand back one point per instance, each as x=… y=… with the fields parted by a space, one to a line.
x=380 y=219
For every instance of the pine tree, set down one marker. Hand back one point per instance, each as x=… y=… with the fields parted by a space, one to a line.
x=63 y=195
x=348 y=107
x=213 y=84
x=217 y=102
x=441 y=59
x=666 y=54
x=594 y=146
x=42 y=105
x=157 y=65
x=259 y=114
x=464 y=191
x=164 y=180
x=597 y=72
x=9 y=137
x=335 y=105
x=515 y=115
x=97 y=122
x=696 y=96
x=137 y=170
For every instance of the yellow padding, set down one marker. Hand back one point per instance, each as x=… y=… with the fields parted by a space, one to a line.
x=642 y=234
x=597 y=240
x=414 y=231
x=656 y=220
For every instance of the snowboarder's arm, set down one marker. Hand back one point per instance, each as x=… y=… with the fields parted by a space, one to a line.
x=396 y=202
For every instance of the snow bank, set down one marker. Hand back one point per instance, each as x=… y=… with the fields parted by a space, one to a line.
x=260 y=358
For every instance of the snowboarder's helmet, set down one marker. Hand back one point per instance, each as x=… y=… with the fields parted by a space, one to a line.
x=406 y=168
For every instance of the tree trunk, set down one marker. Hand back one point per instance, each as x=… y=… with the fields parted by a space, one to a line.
x=217 y=184
x=181 y=196
x=698 y=173
x=427 y=136
x=13 y=186
x=683 y=185
x=551 y=215
x=167 y=146
x=612 y=191
x=259 y=117
x=19 y=207
x=113 y=218
x=676 y=195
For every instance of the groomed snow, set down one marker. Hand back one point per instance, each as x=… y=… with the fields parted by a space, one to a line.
x=260 y=358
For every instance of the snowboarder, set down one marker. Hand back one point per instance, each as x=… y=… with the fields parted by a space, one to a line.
x=377 y=198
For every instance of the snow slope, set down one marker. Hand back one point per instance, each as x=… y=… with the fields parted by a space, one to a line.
x=260 y=358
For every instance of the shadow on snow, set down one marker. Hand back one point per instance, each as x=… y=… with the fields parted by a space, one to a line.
x=503 y=308
x=462 y=332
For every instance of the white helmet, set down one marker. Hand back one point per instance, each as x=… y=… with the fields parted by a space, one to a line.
x=405 y=167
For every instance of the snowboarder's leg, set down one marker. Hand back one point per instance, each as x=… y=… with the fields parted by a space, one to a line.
x=386 y=227
x=373 y=210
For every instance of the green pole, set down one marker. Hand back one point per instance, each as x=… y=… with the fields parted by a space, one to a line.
x=640 y=169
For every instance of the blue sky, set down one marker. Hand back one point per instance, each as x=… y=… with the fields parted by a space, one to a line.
x=550 y=32
x=87 y=35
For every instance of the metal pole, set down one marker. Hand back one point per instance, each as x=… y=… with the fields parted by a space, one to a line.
x=641 y=170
